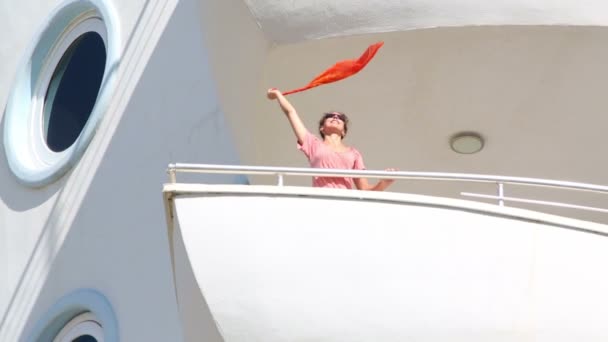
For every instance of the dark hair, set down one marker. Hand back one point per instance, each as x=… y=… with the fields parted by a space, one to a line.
x=328 y=115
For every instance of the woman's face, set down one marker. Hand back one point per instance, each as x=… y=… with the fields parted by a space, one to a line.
x=334 y=123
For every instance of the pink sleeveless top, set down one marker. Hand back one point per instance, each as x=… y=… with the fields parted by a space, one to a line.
x=322 y=156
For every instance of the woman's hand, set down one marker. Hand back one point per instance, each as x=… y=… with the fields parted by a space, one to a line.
x=362 y=184
x=388 y=182
x=273 y=93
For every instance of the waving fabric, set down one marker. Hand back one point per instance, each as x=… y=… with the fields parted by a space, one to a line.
x=342 y=69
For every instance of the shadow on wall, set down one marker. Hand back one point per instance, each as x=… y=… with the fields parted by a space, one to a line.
x=22 y=199
x=16 y=196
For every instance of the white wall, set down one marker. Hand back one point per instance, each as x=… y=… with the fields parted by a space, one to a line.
x=301 y=264
x=237 y=53
x=102 y=225
x=24 y=213
x=535 y=93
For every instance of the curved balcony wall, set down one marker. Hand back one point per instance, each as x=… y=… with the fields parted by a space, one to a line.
x=276 y=264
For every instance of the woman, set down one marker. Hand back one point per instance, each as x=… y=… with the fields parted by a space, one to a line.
x=329 y=153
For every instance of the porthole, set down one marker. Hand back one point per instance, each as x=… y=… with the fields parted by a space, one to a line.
x=82 y=328
x=83 y=315
x=72 y=91
x=61 y=93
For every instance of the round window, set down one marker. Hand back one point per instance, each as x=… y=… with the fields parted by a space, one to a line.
x=72 y=91
x=82 y=328
x=60 y=94
x=83 y=315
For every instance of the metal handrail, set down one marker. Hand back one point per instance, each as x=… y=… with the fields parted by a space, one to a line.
x=300 y=171
x=500 y=181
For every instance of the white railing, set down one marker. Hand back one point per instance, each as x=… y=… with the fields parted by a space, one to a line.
x=500 y=181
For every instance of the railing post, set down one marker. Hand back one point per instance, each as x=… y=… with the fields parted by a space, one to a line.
x=172 y=177
x=501 y=194
x=280 y=179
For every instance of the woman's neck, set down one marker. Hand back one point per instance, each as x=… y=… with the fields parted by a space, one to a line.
x=333 y=140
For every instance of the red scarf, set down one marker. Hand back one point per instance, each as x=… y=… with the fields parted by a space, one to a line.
x=342 y=69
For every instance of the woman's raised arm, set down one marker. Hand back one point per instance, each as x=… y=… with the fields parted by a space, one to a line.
x=294 y=119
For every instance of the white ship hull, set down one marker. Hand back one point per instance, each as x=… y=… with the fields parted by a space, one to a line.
x=184 y=81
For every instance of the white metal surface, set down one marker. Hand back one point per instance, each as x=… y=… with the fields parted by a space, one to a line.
x=425 y=84
x=280 y=172
x=302 y=171
x=282 y=264
x=101 y=226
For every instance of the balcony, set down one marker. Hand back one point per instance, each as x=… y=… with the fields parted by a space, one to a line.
x=277 y=262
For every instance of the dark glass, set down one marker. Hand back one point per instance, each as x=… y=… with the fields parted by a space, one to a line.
x=85 y=338
x=73 y=90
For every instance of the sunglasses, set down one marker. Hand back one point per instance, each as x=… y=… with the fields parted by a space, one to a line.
x=340 y=117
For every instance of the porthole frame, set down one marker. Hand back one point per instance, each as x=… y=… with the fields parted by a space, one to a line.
x=30 y=159
x=81 y=325
x=91 y=23
x=59 y=315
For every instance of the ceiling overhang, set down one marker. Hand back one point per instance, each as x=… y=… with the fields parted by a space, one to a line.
x=285 y=22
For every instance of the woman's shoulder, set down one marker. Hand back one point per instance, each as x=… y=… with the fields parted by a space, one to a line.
x=309 y=140
x=313 y=138
x=353 y=150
